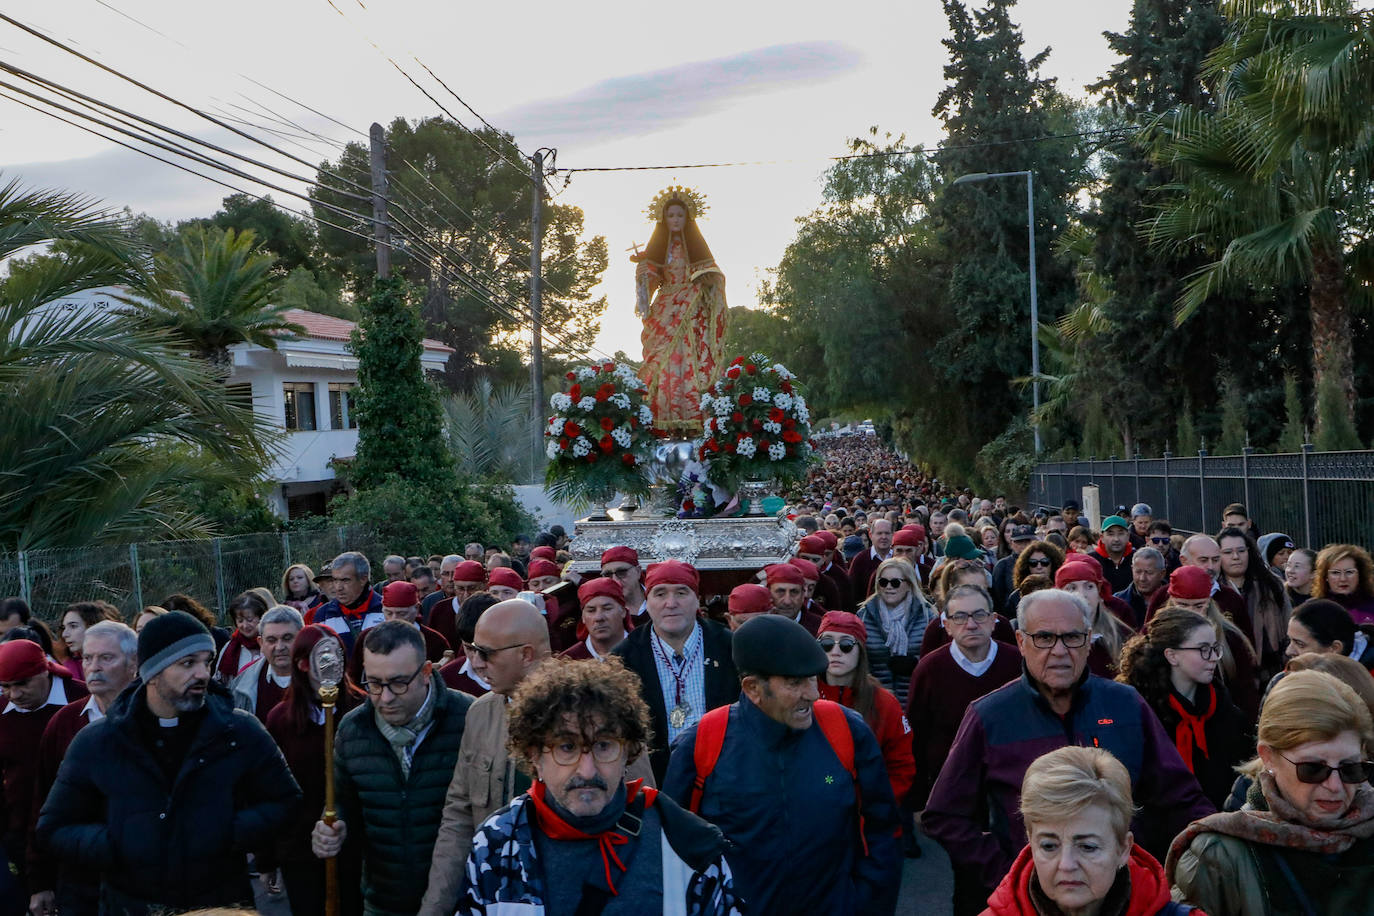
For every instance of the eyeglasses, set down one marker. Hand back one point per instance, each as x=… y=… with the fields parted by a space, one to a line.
x=1207 y=652
x=398 y=686
x=485 y=654
x=1072 y=640
x=846 y=644
x=962 y=619
x=891 y=583
x=622 y=573
x=1043 y=561
x=1315 y=772
x=603 y=750
x=1163 y=540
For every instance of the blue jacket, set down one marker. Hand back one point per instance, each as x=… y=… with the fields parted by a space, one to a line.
x=787 y=806
x=974 y=806
x=351 y=624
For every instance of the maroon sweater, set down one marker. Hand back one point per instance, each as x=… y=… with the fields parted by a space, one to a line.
x=456 y=679
x=20 y=735
x=935 y=635
x=939 y=694
x=443 y=617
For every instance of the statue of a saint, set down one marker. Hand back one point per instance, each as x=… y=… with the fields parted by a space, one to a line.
x=684 y=322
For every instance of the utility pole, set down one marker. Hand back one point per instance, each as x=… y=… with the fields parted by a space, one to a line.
x=536 y=305
x=381 y=228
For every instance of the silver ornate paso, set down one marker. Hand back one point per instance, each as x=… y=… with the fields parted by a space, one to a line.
x=677 y=717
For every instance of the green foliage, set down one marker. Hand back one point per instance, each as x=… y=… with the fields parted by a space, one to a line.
x=400 y=425
x=412 y=518
x=302 y=290
x=489 y=432
x=1335 y=428
x=289 y=238
x=1187 y=441
x=214 y=289
x=1099 y=441
x=1295 y=422
x=1005 y=463
x=749 y=329
x=107 y=422
x=1234 y=419
x=233 y=508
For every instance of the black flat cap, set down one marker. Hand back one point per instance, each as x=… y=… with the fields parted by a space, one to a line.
x=771 y=645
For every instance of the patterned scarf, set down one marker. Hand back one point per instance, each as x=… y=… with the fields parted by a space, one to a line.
x=403 y=738
x=894 y=624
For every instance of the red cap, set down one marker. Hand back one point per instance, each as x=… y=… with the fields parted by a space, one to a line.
x=749 y=599
x=400 y=594
x=829 y=538
x=21 y=660
x=672 y=572
x=812 y=544
x=909 y=537
x=1190 y=583
x=542 y=567
x=470 y=571
x=913 y=526
x=844 y=622
x=808 y=569
x=544 y=553
x=1082 y=568
x=784 y=572
x=620 y=555
x=504 y=575
x=601 y=587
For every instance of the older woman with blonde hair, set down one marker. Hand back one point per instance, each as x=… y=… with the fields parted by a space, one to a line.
x=895 y=616
x=1081 y=859
x=1345 y=574
x=1304 y=842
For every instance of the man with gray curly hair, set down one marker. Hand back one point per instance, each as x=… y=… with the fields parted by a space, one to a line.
x=974 y=806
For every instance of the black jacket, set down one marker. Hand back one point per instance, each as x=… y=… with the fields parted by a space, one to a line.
x=396 y=819
x=722 y=681
x=180 y=844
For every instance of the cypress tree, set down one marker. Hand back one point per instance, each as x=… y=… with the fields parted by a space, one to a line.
x=1294 y=425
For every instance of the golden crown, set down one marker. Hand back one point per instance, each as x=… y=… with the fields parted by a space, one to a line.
x=694 y=200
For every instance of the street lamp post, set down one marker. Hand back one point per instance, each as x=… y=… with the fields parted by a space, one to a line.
x=1034 y=301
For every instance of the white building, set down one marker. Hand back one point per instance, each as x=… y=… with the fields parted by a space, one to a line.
x=304 y=388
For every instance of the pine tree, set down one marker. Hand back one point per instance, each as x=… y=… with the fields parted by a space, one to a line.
x=400 y=425
x=1294 y=426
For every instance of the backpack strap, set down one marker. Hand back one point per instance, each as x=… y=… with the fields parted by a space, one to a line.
x=710 y=739
x=831 y=718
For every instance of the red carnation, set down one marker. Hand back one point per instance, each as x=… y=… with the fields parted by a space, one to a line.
x=732 y=372
x=689 y=506
x=763 y=445
x=575 y=392
x=789 y=423
x=712 y=444
x=572 y=376
x=787 y=386
x=629 y=459
x=564 y=442
x=571 y=429
x=775 y=415
x=607 y=444
x=607 y=424
x=609 y=367
x=730 y=447
x=738 y=360
x=791 y=435
x=737 y=417
x=756 y=424
x=592 y=456
x=749 y=368
x=633 y=423
x=745 y=400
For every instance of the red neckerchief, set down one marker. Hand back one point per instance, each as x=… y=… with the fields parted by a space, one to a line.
x=1192 y=729
x=1101 y=550
x=556 y=828
x=361 y=609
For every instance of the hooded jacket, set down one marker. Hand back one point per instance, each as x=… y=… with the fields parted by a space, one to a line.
x=1149 y=891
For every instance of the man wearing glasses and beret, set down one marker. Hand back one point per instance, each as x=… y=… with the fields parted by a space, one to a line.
x=393 y=759
x=974 y=807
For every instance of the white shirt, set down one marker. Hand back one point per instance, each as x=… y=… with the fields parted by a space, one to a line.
x=977 y=669
x=57 y=696
x=592 y=649
x=92 y=711
x=467 y=669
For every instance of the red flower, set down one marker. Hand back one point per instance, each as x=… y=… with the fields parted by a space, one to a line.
x=789 y=423
x=732 y=372
x=592 y=456
x=775 y=415
x=689 y=506
x=763 y=445
x=572 y=376
x=745 y=400
x=607 y=424
x=756 y=425
x=571 y=429
x=711 y=444
x=629 y=459
x=608 y=367
x=787 y=386
x=575 y=392
x=564 y=442
x=737 y=361
x=633 y=423
x=604 y=392
x=737 y=417
x=749 y=368
x=730 y=447
x=791 y=435
x=607 y=444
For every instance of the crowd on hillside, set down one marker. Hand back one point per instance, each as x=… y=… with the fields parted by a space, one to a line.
x=1113 y=721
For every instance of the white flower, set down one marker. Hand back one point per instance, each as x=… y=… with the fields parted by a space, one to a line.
x=776 y=451
x=552 y=449
x=782 y=400
x=556 y=423
x=705 y=402
x=646 y=416
x=620 y=400
x=774 y=428
x=746 y=447
x=587 y=403
x=723 y=407
x=586 y=372
x=782 y=372
x=621 y=435
x=761 y=395
x=560 y=401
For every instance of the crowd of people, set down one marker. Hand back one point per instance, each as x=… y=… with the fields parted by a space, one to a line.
x=1112 y=721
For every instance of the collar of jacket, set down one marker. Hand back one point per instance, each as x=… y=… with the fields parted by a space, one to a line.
x=218 y=725
x=1101 y=551
x=771 y=733
x=1080 y=690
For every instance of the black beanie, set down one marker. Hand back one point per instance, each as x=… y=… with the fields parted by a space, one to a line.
x=168 y=637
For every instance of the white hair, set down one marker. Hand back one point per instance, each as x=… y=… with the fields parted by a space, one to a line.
x=1052 y=595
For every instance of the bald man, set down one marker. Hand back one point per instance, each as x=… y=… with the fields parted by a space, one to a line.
x=511 y=640
x=1203 y=551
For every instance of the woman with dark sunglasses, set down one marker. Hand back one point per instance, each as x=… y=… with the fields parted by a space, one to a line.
x=847 y=681
x=1041 y=558
x=1173 y=665
x=895 y=616
x=1304 y=842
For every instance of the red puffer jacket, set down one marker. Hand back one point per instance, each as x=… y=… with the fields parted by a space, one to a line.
x=892 y=730
x=1149 y=889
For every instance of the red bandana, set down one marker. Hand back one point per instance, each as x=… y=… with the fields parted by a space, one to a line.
x=364 y=601
x=556 y=828
x=1192 y=729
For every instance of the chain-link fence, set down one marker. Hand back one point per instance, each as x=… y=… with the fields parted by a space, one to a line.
x=1316 y=498
x=211 y=570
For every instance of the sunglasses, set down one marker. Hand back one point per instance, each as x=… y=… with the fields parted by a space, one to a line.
x=891 y=583
x=1314 y=773
x=485 y=653
x=1159 y=540
x=1041 y=562
x=845 y=643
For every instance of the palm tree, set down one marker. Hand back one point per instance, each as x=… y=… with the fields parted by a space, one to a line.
x=489 y=431
x=1277 y=182
x=216 y=289
x=107 y=422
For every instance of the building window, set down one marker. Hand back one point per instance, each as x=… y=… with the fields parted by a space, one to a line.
x=343 y=411
x=300 y=405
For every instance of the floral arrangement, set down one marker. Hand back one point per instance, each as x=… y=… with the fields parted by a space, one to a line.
x=756 y=425
x=599 y=436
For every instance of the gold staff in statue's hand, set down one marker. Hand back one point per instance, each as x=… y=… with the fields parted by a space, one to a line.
x=329 y=670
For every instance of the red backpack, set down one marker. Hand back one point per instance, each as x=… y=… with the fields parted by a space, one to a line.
x=829 y=715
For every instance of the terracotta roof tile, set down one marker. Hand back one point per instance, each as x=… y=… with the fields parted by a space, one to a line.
x=327 y=327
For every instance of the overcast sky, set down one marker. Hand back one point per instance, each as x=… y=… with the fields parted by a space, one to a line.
x=606 y=84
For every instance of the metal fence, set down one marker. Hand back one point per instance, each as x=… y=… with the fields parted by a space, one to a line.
x=1316 y=498
x=211 y=570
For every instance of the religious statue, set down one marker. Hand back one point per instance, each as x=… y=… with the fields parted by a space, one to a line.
x=684 y=322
